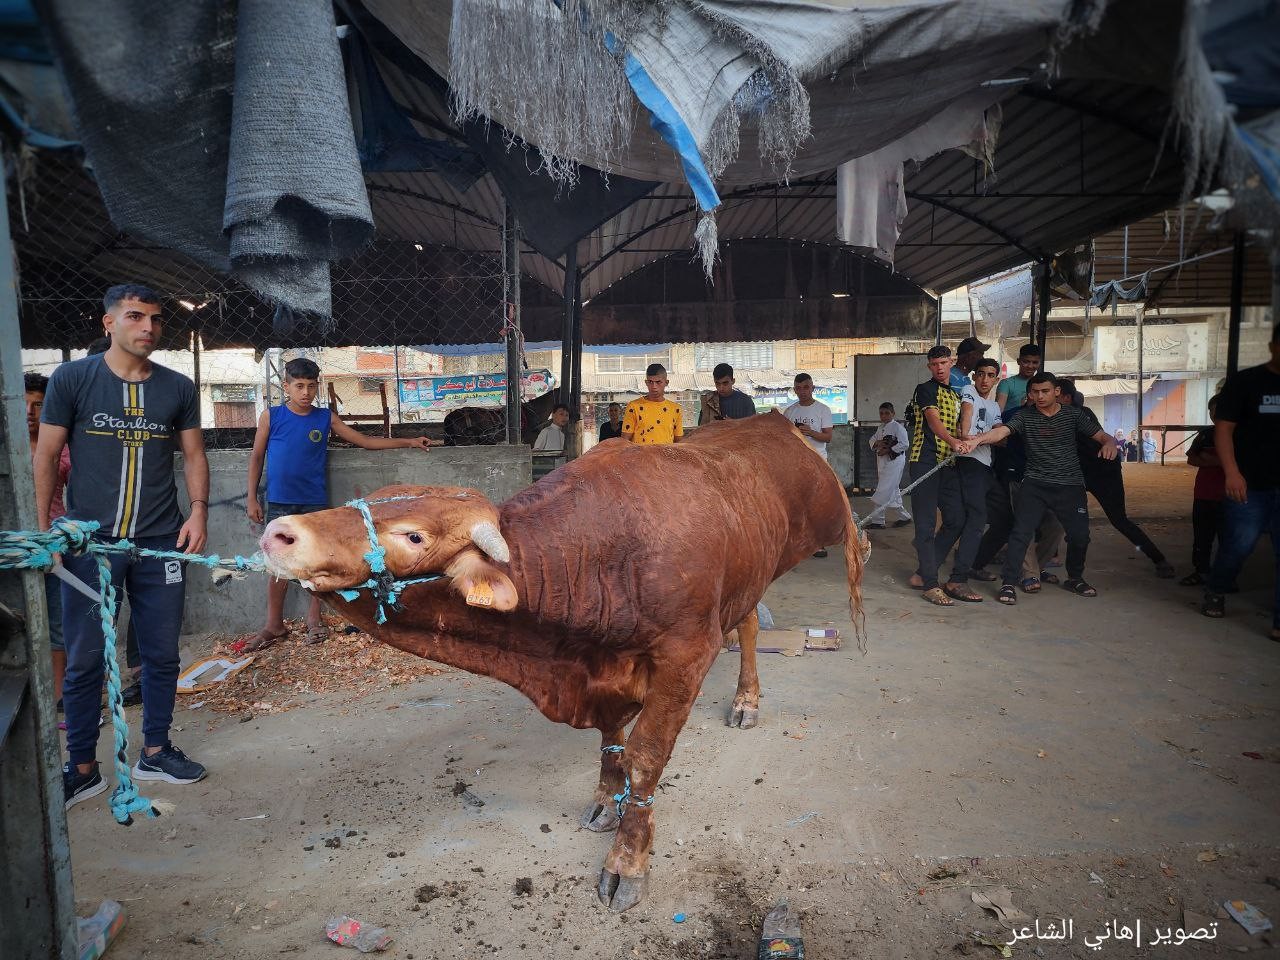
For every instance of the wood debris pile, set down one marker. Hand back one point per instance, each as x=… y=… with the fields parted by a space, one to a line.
x=290 y=672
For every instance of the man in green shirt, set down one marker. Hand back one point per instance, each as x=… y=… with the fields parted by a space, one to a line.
x=1012 y=392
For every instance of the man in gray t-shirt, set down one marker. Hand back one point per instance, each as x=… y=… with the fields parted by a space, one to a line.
x=1053 y=480
x=123 y=418
x=726 y=403
x=123 y=435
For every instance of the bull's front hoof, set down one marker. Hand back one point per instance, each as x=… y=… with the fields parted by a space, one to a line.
x=621 y=893
x=601 y=817
x=744 y=717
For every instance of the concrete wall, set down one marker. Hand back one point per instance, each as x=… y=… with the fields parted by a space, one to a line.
x=238 y=606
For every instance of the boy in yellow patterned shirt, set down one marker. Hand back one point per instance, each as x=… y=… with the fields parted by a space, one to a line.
x=653 y=418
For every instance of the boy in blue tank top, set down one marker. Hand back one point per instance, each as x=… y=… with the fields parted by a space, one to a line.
x=293 y=440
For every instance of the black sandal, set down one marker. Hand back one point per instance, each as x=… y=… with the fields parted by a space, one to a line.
x=1214 y=606
x=983 y=576
x=963 y=594
x=1079 y=587
x=1007 y=595
x=1047 y=577
x=1193 y=580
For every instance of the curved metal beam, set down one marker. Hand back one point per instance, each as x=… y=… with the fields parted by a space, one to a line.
x=693 y=207
x=975 y=219
x=1089 y=110
x=457 y=207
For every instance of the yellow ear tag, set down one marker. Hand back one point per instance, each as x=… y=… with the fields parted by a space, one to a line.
x=481 y=595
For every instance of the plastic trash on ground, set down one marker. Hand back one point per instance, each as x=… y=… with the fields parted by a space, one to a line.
x=766 y=618
x=97 y=932
x=350 y=932
x=780 y=934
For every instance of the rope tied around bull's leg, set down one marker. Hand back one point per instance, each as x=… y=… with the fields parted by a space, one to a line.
x=626 y=796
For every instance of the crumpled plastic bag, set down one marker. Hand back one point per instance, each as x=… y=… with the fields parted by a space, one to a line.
x=349 y=932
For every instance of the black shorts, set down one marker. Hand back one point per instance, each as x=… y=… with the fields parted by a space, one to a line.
x=277 y=510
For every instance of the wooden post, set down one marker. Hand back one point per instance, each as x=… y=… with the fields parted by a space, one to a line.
x=37 y=906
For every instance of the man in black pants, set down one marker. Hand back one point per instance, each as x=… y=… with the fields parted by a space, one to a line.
x=933 y=432
x=1103 y=479
x=1054 y=480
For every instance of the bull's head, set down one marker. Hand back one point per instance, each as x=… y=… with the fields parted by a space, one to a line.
x=424 y=531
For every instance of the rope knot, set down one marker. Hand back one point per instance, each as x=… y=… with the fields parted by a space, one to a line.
x=76 y=535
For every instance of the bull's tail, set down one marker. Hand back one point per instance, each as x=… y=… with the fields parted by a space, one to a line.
x=857 y=549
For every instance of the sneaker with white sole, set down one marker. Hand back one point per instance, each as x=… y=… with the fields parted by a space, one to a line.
x=77 y=786
x=168 y=764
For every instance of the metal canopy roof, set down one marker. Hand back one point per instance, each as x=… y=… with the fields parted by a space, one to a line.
x=1072 y=160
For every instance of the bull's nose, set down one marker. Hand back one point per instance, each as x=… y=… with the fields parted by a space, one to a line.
x=278 y=535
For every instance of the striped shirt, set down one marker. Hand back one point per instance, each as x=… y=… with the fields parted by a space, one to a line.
x=1050 y=442
x=122 y=436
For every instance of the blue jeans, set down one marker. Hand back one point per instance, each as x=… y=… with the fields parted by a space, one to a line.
x=156 y=590
x=1243 y=524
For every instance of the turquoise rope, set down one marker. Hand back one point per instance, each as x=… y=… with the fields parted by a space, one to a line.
x=385 y=590
x=32 y=550
x=626 y=796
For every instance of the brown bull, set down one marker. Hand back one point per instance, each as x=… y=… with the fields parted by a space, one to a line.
x=601 y=593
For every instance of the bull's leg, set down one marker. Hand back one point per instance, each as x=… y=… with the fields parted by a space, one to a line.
x=746 y=701
x=625 y=875
x=602 y=814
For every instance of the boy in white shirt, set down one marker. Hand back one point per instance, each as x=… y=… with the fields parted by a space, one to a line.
x=889 y=443
x=813 y=419
x=979 y=413
x=551 y=439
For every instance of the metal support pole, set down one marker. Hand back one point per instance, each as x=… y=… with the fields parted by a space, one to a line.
x=1137 y=319
x=395 y=354
x=37 y=906
x=511 y=317
x=566 y=329
x=1237 y=304
x=195 y=361
x=1042 y=335
x=575 y=393
x=937 y=321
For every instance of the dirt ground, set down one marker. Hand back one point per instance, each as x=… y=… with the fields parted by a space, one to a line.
x=1114 y=759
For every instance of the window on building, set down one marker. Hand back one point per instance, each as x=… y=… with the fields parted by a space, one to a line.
x=370 y=385
x=740 y=356
x=631 y=363
x=540 y=359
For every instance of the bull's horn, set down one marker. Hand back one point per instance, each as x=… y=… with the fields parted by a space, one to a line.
x=486 y=536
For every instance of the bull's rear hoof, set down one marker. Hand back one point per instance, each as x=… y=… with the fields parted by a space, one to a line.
x=601 y=817
x=621 y=893
x=744 y=718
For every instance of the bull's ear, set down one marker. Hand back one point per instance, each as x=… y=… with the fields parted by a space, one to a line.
x=481 y=583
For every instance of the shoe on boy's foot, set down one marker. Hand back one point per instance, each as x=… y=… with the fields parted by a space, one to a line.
x=821 y=554
x=168 y=764
x=902 y=522
x=875 y=526
x=78 y=786
x=131 y=695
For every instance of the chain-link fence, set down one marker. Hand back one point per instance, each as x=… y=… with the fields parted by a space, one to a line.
x=416 y=333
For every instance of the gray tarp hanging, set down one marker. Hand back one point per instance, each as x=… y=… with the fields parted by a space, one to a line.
x=221 y=131
x=871 y=72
